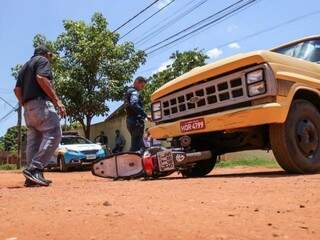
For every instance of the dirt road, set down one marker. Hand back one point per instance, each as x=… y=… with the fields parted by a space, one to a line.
x=250 y=203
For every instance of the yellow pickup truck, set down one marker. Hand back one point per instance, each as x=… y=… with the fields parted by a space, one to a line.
x=259 y=100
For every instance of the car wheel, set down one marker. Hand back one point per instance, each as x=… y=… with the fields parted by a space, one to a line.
x=62 y=164
x=296 y=143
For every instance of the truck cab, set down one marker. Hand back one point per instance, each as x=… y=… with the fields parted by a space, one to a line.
x=267 y=99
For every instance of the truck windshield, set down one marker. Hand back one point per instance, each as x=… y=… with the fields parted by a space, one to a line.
x=74 y=140
x=309 y=50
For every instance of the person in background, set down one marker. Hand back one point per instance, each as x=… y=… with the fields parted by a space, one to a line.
x=102 y=138
x=119 y=142
x=135 y=113
x=34 y=91
x=149 y=141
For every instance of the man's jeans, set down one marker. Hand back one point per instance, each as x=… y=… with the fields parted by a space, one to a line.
x=44 y=132
x=136 y=129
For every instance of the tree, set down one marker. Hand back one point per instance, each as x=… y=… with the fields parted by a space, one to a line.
x=90 y=67
x=182 y=62
x=9 y=141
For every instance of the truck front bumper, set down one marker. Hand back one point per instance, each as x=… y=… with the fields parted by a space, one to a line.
x=239 y=118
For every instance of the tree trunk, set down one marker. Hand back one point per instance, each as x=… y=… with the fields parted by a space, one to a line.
x=86 y=127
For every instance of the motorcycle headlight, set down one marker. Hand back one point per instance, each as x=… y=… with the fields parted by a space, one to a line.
x=156 y=111
x=257 y=89
x=255 y=76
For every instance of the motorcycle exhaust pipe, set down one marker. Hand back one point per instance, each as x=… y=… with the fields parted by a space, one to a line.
x=195 y=157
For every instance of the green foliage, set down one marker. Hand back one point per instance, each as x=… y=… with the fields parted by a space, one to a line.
x=7 y=167
x=181 y=63
x=90 y=67
x=256 y=162
x=9 y=141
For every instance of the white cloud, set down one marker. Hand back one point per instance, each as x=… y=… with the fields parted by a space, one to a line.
x=214 y=53
x=232 y=28
x=162 y=3
x=164 y=66
x=234 y=45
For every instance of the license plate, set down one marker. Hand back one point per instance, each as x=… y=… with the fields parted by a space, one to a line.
x=91 y=156
x=165 y=161
x=192 y=125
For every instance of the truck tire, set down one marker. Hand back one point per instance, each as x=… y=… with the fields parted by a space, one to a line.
x=296 y=142
x=62 y=165
x=201 y=168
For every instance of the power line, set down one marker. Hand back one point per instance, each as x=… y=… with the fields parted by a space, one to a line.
x=148 y=18
x=139 y=13
x=7 y=115
x=204 y=29
x=152 y=32
x=199 y=28
x=292 y=20
x=194 y=25
x=257 y=33
x=9 y=104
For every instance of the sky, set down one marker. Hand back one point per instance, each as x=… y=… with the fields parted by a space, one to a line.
x=20 y=20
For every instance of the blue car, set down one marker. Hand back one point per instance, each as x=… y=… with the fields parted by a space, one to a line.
x=76 y=151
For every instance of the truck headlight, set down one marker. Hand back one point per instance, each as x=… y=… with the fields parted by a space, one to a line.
x=255 y=76
x=156 y=111
x=257 y=89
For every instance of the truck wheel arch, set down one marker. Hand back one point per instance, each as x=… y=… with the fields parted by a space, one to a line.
x=312 y=96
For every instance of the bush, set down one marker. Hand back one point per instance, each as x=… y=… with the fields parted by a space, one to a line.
x=8 y=167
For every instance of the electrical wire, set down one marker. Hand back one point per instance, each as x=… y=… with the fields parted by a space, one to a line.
x=135 y=16
x=148 y=18
x=292 y=20
x=153 y=32
x=195 y=24
x=201 y=27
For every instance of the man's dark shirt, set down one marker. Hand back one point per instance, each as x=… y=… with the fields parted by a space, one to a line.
x=134 y=105
x=27 y=78
x=102 y=139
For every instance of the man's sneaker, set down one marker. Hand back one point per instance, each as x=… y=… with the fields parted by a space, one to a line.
x=29 y=183
x=44 y=179
x=35 y=176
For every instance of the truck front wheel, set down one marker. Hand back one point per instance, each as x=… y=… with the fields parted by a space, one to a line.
x=201 y=168
x=296 y=143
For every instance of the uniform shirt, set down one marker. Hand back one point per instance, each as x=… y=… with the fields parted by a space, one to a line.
x=27 y=78
x=134 y=104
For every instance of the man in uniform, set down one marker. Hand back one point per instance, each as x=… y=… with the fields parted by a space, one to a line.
x=135 y=113
x=34 y=90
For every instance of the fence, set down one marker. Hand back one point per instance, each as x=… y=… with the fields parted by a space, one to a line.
x=9 y=158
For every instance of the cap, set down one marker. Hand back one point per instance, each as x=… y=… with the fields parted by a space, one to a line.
x=141 y=79
x=41 y=50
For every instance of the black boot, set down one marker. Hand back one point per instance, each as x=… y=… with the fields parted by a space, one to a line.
x=44 y=179
x=35 y=176
x=29 y=183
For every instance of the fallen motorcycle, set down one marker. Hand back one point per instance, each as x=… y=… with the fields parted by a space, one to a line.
x=154 y=162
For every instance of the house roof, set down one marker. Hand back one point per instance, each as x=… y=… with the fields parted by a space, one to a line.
x=116 y=112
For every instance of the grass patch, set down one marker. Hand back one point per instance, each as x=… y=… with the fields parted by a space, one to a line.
x=257 y=162
x=8 y=167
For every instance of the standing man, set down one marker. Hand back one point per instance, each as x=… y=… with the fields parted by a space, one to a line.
x=34 y=90
x=135 y=113
x=119 y=142
x=102 y=138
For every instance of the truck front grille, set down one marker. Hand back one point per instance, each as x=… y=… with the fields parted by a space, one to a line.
x=210 y=94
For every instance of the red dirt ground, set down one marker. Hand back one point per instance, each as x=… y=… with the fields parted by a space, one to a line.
x=240 y=203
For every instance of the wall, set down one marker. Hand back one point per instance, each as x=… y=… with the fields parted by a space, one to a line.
x=109 y=127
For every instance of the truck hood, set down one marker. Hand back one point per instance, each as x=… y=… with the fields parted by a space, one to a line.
x=214 y=69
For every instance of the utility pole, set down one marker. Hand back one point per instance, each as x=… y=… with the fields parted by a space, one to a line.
x=19 y=111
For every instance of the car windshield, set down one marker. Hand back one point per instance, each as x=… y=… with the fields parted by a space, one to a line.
x=308 y=50
x=74 y=140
